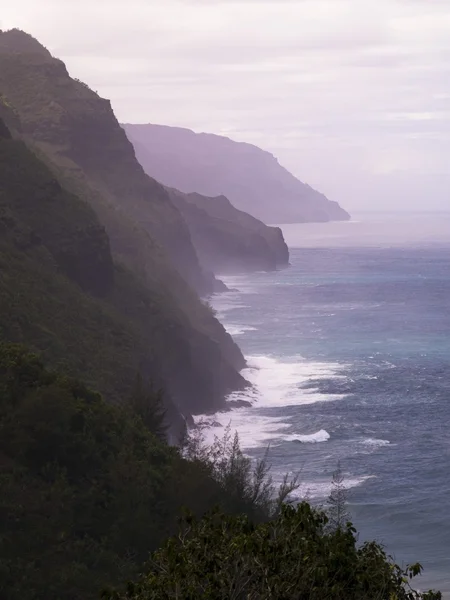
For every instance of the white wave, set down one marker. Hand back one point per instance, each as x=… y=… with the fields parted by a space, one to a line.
x=275 y=384
x=235 y=283
x=226 y=305
x=254 y=431
x=238 y=329
x=279 y=383
x=322 y=489
x=376 y=443
x=311 y=438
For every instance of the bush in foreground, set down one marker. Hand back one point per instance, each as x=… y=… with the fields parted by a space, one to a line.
x=87 y=489
x=292 y=557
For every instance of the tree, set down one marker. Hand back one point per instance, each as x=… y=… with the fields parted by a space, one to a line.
x=337 y=502
x=247 y=485
x=292 y=557
x=148 y=404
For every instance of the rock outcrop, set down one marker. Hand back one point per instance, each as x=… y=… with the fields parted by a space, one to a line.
x=228 y=240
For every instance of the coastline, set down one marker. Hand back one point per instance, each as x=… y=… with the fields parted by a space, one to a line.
x=313 y=411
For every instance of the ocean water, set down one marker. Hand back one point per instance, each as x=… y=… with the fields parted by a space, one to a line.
x=349 y=355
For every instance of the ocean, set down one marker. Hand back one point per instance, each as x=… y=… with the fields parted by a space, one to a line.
x=348 y=352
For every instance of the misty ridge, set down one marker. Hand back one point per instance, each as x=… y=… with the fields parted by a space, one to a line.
x=213 y=165
x=114 y=239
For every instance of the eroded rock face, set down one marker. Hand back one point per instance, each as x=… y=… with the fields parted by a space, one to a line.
x=249 y=177
x=228 y=240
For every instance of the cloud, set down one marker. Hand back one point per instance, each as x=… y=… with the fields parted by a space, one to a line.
x=343 y=91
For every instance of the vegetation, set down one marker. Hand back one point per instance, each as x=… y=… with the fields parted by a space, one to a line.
x=142 y=264
x=87 y=490
x=52 y=253
x=148 y=404
x=292 y=557
x=62 y=294
x=248 y=485
x=338 y=516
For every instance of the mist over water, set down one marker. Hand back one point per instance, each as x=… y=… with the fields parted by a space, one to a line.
x=377 y=229
x=349 y=354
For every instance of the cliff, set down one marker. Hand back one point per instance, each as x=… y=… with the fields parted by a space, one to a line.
x=36 y=211
x=95 y=224
x=54 y=255
x=78 y=132
x=213 y=165
x=227 y=239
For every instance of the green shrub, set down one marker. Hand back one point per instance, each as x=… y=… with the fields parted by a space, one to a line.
x=222 y=557
x=87 y=490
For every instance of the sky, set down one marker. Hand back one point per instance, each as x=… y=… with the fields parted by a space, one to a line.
x=352 y=96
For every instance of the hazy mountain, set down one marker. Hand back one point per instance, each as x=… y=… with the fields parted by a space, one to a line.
x=227 y=239
x=249 y=177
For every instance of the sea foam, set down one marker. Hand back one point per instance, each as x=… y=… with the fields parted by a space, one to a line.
x=276 y=384
x=311 y=438
x=320 y=490
x=375 y=443
x=234 y=330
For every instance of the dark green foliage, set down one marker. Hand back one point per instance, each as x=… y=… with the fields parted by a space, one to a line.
x=73 y=236
x=148 y=403
x=246 y=486
x=81 y=485
x=86 y=490
x=4 y=131
x=338 y=516
x=289 y=558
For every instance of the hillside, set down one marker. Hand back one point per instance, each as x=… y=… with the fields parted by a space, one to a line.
x=71 y=192
x=212 y=165
x=87 y=488
x=227 y=239
x=77 y=130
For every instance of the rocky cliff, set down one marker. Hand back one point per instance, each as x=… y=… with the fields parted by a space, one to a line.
x=212 y=165
x=78 y=131
x=228 y=240
x=104 y=226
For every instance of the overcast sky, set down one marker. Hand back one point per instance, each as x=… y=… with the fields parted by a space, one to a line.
x=352 y=96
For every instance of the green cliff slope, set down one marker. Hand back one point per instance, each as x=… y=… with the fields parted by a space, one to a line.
x=77 y=130
x=62 y=293
x=75 y=134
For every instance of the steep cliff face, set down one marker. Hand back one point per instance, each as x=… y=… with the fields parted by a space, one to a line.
x=212 y=165
x=78 y=131
x=31 y=198
x=227 y=239
x=148 y=317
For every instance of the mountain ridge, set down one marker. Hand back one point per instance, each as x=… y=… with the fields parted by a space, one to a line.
x=211 y=165
x=167 y=330
x=228 y=240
